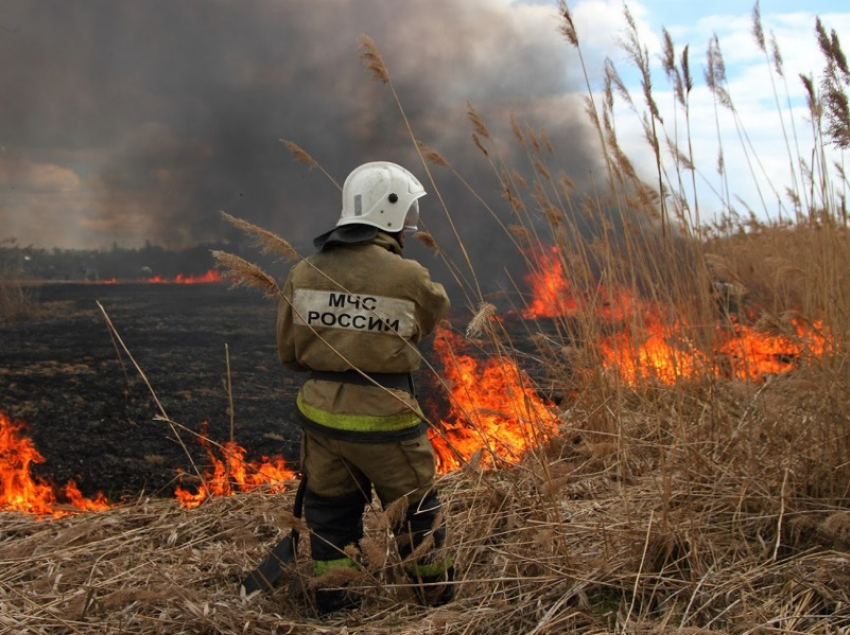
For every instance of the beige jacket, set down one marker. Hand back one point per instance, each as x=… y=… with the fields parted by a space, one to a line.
x=364 y=307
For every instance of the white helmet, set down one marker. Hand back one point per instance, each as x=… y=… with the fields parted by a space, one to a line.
x=383 y=195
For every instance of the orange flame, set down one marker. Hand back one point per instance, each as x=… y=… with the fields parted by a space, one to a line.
x=232 y=473
x=741 y=353
x=21 y=492
x=550 y=291
x=553 y=296
x=751 y=355
x=212 y=275
x=659 y=352
x=493 y=409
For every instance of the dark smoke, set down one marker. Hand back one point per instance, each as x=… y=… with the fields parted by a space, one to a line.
x=126 y=121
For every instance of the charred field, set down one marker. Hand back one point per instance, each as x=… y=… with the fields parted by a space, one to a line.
x=94 y=418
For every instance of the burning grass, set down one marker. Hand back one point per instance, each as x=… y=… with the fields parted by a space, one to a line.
x=709 y=504
x=20 y=491
x=692 y=478
x=713 y=505
x=495 y=414
x=689 y=519
x=232 y=472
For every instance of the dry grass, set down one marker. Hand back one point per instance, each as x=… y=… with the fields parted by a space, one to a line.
x=705 y=505
x=15 y=302
x=246 y=274
x=805 y=267
x=711 y=527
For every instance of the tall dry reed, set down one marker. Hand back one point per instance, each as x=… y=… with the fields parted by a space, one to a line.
x=708 y=503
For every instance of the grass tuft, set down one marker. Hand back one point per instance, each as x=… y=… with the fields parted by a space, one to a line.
x=695 y=493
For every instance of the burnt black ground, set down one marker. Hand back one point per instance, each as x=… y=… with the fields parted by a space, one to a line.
x=90 y=414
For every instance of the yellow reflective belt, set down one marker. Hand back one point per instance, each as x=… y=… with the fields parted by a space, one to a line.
x=430 y=570
x=321 y=567
x=359 y=423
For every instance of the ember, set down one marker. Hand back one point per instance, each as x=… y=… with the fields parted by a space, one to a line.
x=232 y=473
x=21 y=492
x=494 y=409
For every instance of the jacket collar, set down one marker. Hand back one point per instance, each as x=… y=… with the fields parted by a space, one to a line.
x=387 y=242
x=356 y=234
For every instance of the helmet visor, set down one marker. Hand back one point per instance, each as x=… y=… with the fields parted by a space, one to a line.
x=411 y=220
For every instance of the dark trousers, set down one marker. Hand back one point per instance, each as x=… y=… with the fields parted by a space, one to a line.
x=341 y=477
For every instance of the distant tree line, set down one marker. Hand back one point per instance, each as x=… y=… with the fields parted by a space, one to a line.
x=31 y=263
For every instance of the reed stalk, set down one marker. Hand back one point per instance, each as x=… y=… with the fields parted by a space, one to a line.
x=699 y=502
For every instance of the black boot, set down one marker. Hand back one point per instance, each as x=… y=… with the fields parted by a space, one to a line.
x=436 y=590
x=332 y=600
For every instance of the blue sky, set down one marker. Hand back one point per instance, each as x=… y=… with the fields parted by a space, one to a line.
x=688 y=13
x=760 y=169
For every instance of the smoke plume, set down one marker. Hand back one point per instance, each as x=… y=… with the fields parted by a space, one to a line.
x=126 y=122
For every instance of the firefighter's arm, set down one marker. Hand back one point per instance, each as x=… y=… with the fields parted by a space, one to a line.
x=433 y=303
x=286 y=332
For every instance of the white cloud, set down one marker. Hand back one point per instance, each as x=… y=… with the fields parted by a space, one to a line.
x=759 y=140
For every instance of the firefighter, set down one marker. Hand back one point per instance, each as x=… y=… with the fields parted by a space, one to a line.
x=351 y=317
